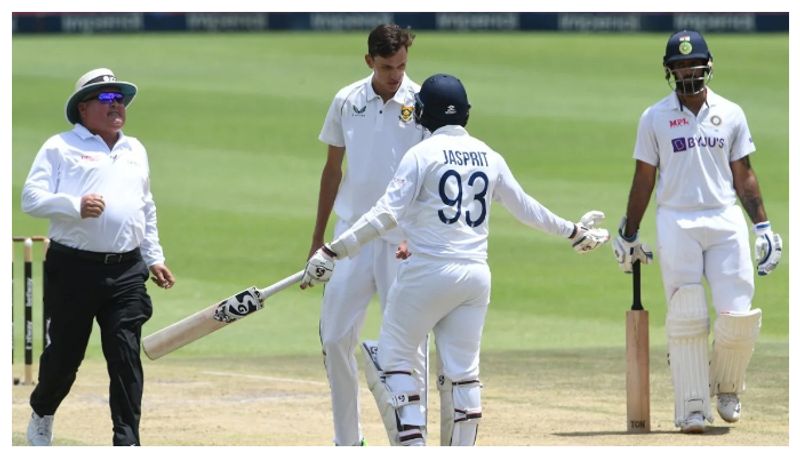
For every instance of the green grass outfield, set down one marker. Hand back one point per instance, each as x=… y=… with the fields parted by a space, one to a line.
x=231 y=121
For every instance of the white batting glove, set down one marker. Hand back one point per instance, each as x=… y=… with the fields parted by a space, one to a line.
x=319 y=268
x=769 y=247
x=587 y=237
x=629 y=250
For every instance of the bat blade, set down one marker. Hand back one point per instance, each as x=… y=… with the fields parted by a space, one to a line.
x=212 y=318
x=638 y=370
x=637 y=355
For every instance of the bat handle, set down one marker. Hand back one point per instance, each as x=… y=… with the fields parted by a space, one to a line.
x=280 y=285
x=637 y=287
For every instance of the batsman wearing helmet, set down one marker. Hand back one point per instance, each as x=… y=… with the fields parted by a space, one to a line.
x=694 y=148
x=441 y=196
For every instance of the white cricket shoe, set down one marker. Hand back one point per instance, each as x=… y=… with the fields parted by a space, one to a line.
x=695 y=423
x=40 y=430
x=729 y=407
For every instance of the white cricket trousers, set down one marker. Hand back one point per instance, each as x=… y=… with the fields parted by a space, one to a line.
x=344 y=307
x=449 y=297
x=712 y=243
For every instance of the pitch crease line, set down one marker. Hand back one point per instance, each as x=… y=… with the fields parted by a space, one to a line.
x=265 y=378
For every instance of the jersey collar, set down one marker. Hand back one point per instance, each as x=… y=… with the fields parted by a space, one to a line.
x=84 y=134
x=451 y=130
x=401 y=96
x=711 y=100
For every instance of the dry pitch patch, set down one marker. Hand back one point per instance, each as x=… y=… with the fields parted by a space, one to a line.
x=529 y=398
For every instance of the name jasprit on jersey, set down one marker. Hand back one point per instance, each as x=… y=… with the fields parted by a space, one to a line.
x=476 y=159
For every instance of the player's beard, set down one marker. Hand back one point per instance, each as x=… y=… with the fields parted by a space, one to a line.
x=690 y=86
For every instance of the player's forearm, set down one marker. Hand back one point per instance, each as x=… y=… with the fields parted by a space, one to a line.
x=747 y=189
x=328 y=189
x=371 y=225
x=637 y=205
x=639 y=198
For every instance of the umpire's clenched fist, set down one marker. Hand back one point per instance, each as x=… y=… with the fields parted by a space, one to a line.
x=92 y=205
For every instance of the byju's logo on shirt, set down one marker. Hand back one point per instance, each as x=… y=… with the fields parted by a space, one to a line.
x=682 y=144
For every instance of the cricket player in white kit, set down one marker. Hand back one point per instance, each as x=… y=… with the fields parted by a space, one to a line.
x=699 y=144
x=371 y=123
x=441 y=197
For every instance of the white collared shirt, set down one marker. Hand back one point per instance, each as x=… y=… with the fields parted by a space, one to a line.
x=375 y=137
x=442 y=193
x=75 y=163
x=693 y=153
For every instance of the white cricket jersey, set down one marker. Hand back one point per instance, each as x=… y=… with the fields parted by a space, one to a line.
x=442 y=193
x=375 y=136
x=693 y=153
x=75 y=163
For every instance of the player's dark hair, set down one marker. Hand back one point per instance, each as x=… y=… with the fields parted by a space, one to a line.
x=386 y=39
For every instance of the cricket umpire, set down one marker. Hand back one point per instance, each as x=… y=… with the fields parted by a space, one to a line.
x=699 y=145
x=93 y=184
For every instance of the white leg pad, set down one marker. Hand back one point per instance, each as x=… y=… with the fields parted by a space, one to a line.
x=398 y=398
x=735 y=338
x=460 y=411
x=687 y=339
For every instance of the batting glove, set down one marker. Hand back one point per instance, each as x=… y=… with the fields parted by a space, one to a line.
x=587 y=236
x=319 y=268
x=769 y=247
x=628 y=250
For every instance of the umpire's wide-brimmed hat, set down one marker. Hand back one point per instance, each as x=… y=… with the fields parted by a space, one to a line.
x=92 y=81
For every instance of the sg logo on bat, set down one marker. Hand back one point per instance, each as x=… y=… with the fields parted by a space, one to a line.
x=240 y=305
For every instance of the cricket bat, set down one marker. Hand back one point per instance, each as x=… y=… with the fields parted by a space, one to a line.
x=213 y=318
x=637 y=344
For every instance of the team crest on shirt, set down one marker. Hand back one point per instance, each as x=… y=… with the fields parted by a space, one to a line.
x=716 y=120
x=406 y=113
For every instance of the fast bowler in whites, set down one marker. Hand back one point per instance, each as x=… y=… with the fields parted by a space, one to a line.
x=370 y=122
x=441 y=196
x=698 y=144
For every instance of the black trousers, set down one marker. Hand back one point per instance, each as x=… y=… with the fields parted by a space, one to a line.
x=81 y=287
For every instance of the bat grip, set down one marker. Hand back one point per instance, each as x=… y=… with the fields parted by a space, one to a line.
x=637 y=287
x=280 y=285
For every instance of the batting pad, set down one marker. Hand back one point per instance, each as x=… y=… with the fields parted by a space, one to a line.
x=460 y=411
x=399 y=408
x=735 y=338
x=687 y=339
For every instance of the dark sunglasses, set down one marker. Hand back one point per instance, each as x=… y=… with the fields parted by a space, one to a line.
x=107 y=98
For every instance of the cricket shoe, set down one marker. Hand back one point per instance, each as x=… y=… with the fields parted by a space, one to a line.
x=695 y=423
x=729 y=407
x=40 y=430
